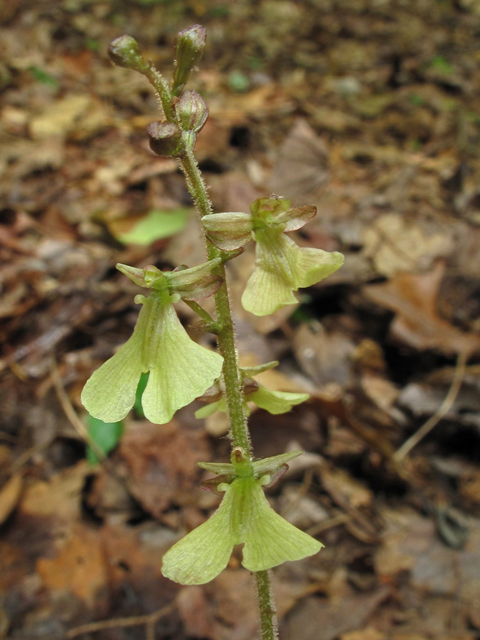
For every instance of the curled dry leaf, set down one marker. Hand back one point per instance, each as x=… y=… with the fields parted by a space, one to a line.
x=413 y=298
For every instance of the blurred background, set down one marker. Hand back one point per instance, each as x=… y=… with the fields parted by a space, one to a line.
x=369 y=109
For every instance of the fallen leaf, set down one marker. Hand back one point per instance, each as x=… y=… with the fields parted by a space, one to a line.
x=396 y=244
x=301 y=168
x=79 y=568
x=332 y=618
x=413 y=298
x=10 y=495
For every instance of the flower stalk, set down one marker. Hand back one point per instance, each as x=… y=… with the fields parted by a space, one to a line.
x=180 y=370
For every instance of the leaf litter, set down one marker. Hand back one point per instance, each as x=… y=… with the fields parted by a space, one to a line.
x=356 y=109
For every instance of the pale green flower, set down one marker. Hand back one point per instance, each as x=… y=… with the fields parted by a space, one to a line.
x=180 y=369
x=275 y=402
x=244 y=516
x=281 y=266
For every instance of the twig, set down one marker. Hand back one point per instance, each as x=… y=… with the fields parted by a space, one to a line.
x=149 y=619
x=75 y=421
x=440 y=413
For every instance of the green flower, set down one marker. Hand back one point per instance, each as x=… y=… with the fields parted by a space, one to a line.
x=281 y=266
x=180 y=369
x=275 y=402
x=244 y=516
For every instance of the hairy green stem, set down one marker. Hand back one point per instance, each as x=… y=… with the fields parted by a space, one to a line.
x=268 y=612
x=225 y=337
x=232 y=378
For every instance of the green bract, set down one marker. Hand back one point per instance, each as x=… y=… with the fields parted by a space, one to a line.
x=281 y=266
x=244 y=516
x=180 y=369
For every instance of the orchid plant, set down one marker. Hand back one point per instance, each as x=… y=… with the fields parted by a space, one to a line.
x=180 y=370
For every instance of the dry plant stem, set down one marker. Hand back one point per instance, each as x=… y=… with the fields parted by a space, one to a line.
x=442 y=411
x=148 y=619
x=232 y=379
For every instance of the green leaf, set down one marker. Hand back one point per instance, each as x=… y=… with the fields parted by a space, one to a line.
x=273 y=463
x=259 y=368
x=154 y=226
x=106 y=436
x=43 y=77
x=138 y=397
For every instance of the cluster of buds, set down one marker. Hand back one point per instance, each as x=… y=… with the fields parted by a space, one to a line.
x=171 y=138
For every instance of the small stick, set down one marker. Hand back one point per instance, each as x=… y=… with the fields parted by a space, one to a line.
x=440 y=413
x=148 y=619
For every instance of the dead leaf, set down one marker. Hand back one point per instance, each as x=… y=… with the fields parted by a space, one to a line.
x=413 y=298
x=332 y=618
x=79 y=568
x=396 y=244
x=195 y=612
x=301 y=168
x=161 y=463
x=10 y=495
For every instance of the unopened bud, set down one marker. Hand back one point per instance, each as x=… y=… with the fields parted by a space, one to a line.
x=192 y=111
x=165 y=139
x=189 y=46
x=124 y=52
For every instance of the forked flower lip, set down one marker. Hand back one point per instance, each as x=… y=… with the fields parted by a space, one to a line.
x=244 y=516
x=179 y=368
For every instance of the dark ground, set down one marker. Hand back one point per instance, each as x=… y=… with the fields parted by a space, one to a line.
x=369 y=109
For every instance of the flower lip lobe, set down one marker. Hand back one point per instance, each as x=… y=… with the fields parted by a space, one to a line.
x=244 y=516
x=180 y=369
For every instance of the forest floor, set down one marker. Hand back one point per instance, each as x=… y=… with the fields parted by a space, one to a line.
x=369 y=109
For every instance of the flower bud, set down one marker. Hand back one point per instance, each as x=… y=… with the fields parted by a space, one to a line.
x=189 y=46
x=124 y=52
x=165 y=139
x=192 y=111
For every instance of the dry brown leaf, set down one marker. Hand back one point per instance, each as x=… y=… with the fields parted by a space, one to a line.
x=413 y=298
x=10 y=495
x=396 y=244
x=301 y=168
x=79 y=568
x=161 y=463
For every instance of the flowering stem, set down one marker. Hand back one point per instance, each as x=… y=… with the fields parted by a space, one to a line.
x=268 y=612
x=232 y=377
x=226 y=335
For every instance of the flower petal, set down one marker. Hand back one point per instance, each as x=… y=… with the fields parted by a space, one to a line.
x=296 y=218
x=268 y=288
x=276 y=402
x=269 y=539
x=180 y=369
x=202 y=554
x=308 y=265
x=110 y=392
x=228 y=231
